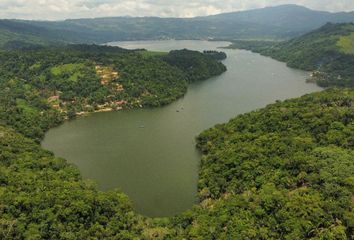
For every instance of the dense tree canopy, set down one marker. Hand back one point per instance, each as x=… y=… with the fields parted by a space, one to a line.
x=41 y=87
x=282 y=172
x=195 y=64
x=43 y=197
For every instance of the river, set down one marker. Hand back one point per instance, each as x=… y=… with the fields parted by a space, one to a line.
x=150 y=153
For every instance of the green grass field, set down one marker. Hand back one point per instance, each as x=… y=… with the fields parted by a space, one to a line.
x=346 y=44
x=25 y=107
x=73 y=69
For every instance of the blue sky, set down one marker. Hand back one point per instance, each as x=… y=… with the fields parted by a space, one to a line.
x=63 y=9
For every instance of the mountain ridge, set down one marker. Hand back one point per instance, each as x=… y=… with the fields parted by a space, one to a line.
x=277 y=23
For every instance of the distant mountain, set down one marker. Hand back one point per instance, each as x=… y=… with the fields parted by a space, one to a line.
x=11 y=33
x=328 y=51
x=280 y=22
x=19 y=34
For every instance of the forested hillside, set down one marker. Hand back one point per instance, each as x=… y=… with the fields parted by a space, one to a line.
x=16 y=34
x=328 y=52
x=184 y=59
x=43 y=197
x=282 y=172
x=280 y=22
x=42 y=87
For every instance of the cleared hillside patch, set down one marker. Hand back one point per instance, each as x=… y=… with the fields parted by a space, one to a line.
x=346 y=44
x=74 y=70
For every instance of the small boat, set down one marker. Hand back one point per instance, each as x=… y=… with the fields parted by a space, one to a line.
x=141 y=126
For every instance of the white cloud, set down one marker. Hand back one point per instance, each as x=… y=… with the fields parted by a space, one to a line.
x=61 y=9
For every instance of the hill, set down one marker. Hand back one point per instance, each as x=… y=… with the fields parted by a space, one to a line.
x=327 y=51
x=283 y=21
x=10 y=34
x=39 y=88
x=271 y=22
x=282 y=172
x=16 y=34
x=280 y=22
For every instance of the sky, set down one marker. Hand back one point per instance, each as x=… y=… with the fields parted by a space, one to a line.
x=65 y=9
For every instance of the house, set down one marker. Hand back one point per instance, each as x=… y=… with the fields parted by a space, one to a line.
x=121 y=103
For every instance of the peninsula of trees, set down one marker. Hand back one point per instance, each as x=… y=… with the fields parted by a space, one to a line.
x=41 y=87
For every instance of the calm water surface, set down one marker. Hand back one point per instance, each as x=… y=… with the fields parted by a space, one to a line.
x=157 y=165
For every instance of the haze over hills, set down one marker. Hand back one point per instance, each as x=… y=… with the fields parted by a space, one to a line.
x=277 y=23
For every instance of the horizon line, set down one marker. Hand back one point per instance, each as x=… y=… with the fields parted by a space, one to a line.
x=201 y=16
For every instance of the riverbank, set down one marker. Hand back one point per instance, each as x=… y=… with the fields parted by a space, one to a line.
x=37 y=186
x=161 y=177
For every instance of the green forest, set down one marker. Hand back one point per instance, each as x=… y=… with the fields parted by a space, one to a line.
x=328 y=52
x=42 y=87
x=285 y=171
x=282 y=172
x=44 y=197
